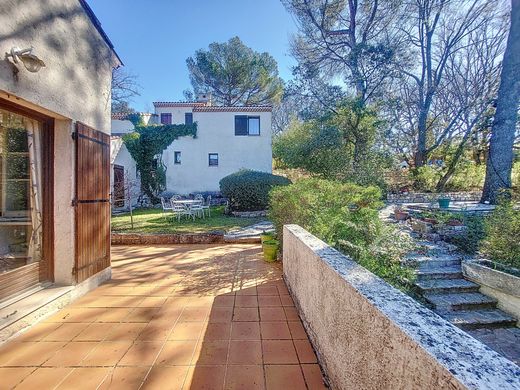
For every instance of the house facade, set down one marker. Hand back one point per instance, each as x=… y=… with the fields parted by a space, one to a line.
x=125 y=183
x=228 y=139
x=54 y=147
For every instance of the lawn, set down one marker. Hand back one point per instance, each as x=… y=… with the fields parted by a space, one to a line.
x=152 y=221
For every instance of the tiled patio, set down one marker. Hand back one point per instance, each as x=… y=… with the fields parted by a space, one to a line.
x=183 y=317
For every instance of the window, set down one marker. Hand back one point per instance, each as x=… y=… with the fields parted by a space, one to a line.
x=166 y=118
x=176 y=157
x=188 y=118
x=213 y=159
x=247 y=125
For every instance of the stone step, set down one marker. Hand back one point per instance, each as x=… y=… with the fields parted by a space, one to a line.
x=448 y=272
x=425 y=261
x=478 y=319
x=446 y=286
x=461 y=301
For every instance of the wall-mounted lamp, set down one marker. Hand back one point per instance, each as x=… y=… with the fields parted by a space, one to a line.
x=31 y=62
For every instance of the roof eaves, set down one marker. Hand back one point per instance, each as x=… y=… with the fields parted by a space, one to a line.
x=95 y=21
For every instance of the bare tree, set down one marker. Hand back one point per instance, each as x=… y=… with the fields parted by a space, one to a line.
x=436 y=31
x=124 y=88
x=349 y=39
x=500 y=160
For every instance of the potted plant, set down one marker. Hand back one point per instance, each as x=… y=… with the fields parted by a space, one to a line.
x=270 y=249
x=267 y=236
x=400 y=214
x=444 y=202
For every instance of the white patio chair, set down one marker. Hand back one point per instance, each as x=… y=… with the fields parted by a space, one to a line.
x=207 y=205
x=166 y=208
x=178 y=209
x=197 y=207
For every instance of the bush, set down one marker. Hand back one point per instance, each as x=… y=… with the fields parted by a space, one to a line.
x=502 y=243
x=248 y=190
x=345 y=216
x=471 y=240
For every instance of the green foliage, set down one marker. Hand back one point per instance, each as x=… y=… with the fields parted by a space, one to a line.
x=471 y=240
x=248 y=190
x=426 y=177
x=147 y=144
x=345 y=216
x=502 y=243
x=339 y=146
x=235 y=74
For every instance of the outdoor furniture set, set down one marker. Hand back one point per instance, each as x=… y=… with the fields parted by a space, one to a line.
x=190 y=208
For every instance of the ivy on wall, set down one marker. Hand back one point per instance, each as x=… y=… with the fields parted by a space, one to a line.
x=146 y=146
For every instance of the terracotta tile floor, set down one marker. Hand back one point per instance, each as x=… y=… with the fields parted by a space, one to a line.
x=172 y=317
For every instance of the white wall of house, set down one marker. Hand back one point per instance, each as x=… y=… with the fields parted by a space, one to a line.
x=119 y=155
x=215 y=134
x=73 y=86
x=122 y=126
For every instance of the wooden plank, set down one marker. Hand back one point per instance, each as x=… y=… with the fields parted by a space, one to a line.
x=92 y=202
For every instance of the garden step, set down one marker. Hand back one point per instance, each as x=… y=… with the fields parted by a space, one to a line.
x=422 y=261
x=478 y=319
x=436 y=272
x=446 y=286
x=461 y=301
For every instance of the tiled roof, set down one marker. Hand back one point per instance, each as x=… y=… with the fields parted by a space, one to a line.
x=178 y=104
x=233 y=109
x=120 y=115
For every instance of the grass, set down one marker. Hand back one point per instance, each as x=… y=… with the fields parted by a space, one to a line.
x=152 y=221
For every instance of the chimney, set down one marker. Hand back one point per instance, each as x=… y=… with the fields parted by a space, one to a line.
x=204 y=98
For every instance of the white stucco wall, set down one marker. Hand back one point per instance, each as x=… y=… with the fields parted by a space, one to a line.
x=215 y=134
x=75 y=82
x=132 y=181
x=121 y=126
x=74 y=86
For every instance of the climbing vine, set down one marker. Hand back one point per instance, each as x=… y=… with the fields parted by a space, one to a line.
x=146 y=146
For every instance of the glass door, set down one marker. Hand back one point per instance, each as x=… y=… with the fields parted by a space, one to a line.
x=20 y=191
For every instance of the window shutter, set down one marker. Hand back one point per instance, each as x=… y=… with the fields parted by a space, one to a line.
x=240 y=125
x=188 y=118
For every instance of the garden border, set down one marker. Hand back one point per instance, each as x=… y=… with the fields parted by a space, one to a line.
x=167 y=238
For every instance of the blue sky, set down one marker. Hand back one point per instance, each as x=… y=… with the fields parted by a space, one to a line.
x=155 y=37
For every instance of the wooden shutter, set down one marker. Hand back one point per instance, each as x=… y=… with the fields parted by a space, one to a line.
x=92 y=202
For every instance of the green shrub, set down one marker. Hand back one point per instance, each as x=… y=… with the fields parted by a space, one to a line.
x=248 y=190
x=426 y=178
x=345 y=216
x=471 y=240
x=502 y=243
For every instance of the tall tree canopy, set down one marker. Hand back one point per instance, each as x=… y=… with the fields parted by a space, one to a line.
x=235 y=74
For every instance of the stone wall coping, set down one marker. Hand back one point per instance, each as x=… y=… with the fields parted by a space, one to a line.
x=472 y=363
x=421 y=197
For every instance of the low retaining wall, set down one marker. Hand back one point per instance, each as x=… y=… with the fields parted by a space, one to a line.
x=369 y=335
x=166 y=239
x=249 y=214
x=425 y=197
x=504 y=287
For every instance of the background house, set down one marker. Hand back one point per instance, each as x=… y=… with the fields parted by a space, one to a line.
x=125 y=183
x=228 y=139
x=55 y=148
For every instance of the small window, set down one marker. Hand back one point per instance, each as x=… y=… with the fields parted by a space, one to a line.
x=166 y=118
x=188 y=118
x=177 y=157
x=247 y=125
x=213 y=159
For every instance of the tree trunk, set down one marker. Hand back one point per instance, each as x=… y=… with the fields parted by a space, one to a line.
x=500 y=159
x=421 y=156
x=451 y=168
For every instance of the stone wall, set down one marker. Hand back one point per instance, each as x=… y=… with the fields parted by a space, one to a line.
x=424 y=197
x=166 y=239
x=368 y=335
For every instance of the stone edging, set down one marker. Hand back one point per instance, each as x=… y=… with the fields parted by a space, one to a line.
x=160 y=239
x=249 y=214
x=422 y=197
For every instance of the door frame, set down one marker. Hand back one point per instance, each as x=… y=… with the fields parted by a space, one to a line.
x=46 y=264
